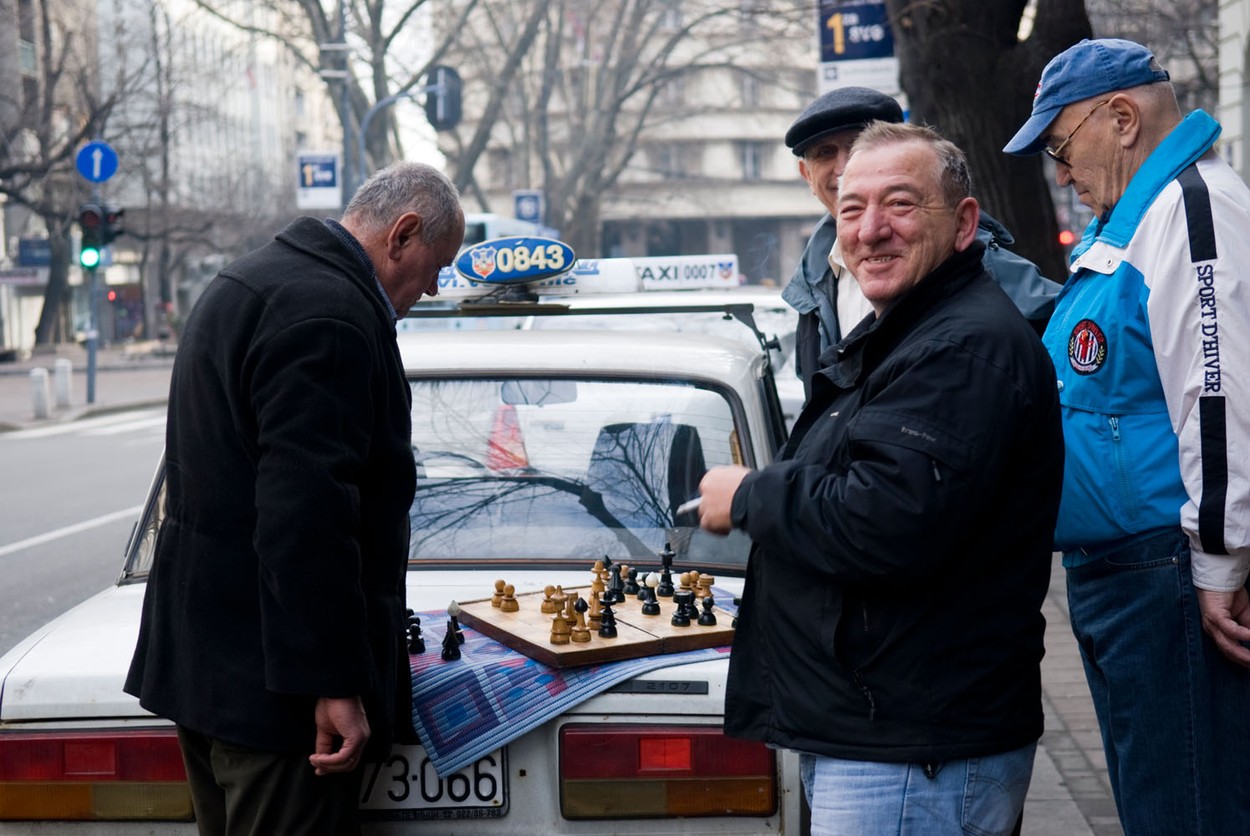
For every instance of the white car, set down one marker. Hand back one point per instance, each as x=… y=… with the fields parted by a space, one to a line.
x=538 y=452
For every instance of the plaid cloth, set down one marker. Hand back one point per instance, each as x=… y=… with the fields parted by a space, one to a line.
x=493 y=695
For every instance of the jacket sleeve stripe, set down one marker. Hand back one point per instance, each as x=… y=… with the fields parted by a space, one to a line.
x=1198 y=215
x=1211 y=416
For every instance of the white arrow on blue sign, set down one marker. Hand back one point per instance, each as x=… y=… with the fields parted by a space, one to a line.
x=96 y=161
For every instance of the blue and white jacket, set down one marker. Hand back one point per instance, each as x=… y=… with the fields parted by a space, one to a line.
x=1151 y=344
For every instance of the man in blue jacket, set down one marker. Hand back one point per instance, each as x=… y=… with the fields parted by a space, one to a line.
x=1151 y=341
x=822 y=290
x=890 y=628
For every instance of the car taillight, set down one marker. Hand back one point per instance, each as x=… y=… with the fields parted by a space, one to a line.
x=93 y=776
x=624 y=771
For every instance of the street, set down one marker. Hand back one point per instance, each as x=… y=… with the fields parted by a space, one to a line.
x=70 y=496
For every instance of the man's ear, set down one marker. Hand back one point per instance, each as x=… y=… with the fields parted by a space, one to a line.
x=403 y=233
x=805 y=172
x=967 y=214
x=1126 y=115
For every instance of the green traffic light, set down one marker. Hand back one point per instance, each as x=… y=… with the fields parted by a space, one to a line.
x=89 y=257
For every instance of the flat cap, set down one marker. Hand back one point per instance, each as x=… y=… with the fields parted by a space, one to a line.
x=838 y=110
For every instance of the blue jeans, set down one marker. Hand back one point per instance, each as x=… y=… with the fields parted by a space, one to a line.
x=1173 y=712
x=980 y=796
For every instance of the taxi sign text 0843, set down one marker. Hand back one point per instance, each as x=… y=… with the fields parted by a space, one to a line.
x=515 y=260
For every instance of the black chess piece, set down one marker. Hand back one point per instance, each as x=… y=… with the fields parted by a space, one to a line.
x=681 y=615
x=665 y=589
x=607 y=618
x=650 y=606
x=451 y=645
x=416 y=642
x=616 y=586
x=631 y=582
x=453 y=623
x=707 y=618
x=642 y=587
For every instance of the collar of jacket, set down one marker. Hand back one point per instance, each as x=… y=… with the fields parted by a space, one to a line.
x=317 y=240
x=847 y=362
x=803 y=292
x=1187 y=142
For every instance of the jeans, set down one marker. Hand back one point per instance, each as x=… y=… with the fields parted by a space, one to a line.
x=978 y=796
x=1173 y=712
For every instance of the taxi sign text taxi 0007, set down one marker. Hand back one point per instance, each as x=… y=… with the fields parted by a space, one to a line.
x=515 y=260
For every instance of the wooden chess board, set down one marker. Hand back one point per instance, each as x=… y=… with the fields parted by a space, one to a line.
x=528 y=631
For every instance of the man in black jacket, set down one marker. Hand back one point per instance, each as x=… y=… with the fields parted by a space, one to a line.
x=890 y=628
x=274 y=608
x=822 y=290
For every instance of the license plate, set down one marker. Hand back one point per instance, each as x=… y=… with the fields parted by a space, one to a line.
x=406 y=787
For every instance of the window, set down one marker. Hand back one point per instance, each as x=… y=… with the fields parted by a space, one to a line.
x=752 y=161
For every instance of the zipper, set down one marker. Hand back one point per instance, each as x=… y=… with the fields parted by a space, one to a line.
x=872 y=704
x=1121 y=470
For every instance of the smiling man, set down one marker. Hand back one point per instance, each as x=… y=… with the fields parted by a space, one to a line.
x=1150 y=342
x=890 y=628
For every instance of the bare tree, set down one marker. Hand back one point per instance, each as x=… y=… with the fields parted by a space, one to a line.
x=37 y=156
x=571 y=112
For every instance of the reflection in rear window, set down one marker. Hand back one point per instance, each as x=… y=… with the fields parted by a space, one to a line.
x=540 y=470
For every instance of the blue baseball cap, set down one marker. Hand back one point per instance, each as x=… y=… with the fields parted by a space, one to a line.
x=1081 y=72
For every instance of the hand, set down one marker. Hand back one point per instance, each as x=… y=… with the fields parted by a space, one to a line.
x=342 y=732
x=1226 y=618
x=717 y=489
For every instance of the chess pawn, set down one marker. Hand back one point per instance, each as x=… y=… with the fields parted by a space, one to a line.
x=707 y=618
x=548 y=605
x=509 y=602
x=597 y=587
x=560 y=632
x=497 y=598
x=559 y=599
x=705 y=585
x=579 y=632
x=616 y=586
x=641 y=583
x=650 y=606
x=570 y=604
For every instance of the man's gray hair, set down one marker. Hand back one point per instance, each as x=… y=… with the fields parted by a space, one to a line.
x=953 y=173
x=407 y=187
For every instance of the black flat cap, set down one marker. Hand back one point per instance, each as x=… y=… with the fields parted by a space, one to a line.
x=837 y=110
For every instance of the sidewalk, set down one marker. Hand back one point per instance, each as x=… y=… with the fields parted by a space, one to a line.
x=127 y=376
x=1069 y=795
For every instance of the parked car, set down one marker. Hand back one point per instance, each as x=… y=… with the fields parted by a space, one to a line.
x=538 y=453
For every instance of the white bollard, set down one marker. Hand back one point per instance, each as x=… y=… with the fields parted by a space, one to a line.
x=64 y=382
x=40 y=392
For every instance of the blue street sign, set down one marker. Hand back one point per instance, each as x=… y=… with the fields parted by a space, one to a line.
x=852 y=31
x=96 y=161
x=527 y=205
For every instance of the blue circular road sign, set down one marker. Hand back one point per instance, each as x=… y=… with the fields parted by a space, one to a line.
x=96 y=161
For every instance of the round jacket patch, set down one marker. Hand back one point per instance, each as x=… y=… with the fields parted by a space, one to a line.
x=1087 y=347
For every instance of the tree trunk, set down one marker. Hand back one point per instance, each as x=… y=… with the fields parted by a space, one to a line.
x=966 y=73
x=56 y=294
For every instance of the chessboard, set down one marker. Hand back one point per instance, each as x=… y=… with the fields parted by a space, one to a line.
x=529 y=630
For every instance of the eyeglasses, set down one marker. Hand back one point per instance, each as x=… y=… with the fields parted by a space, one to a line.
x=1056 y=154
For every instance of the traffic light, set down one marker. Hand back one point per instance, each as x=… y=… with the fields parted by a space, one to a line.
x=442 y=101
x=91 y=227
x=114 y=224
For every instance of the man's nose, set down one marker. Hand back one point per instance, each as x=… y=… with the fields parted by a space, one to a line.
x=874 y=224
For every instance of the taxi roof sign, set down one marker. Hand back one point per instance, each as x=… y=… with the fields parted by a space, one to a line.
x=515 y=260
x=585 y=276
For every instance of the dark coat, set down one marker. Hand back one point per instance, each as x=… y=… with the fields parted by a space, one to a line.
x=902 y=541
x=279 y=571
